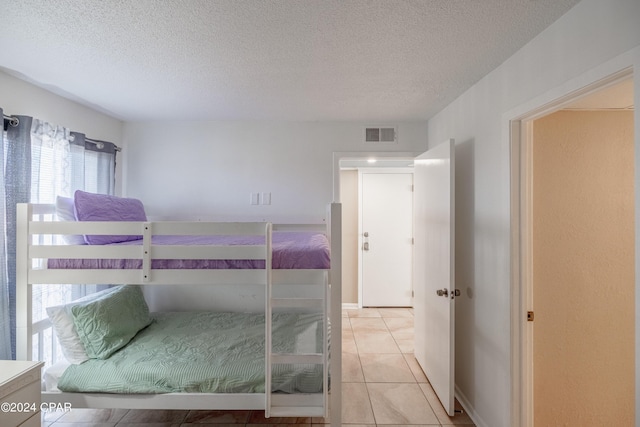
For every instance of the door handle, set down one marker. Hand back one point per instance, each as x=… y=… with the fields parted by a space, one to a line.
x=365 y=246
x=443 y=292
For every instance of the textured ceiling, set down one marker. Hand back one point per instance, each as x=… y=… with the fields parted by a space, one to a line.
x=319 y=60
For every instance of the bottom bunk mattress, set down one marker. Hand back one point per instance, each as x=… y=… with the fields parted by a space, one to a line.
x=205 y=352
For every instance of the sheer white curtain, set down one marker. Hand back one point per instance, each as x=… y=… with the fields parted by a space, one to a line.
x=61 y=163
x=53 y=173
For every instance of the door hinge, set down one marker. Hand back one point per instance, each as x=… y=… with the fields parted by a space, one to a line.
x=530 y=316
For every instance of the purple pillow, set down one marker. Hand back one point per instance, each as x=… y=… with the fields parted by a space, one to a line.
x=102 y=207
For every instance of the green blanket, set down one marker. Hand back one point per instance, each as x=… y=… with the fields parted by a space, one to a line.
x=205 y=352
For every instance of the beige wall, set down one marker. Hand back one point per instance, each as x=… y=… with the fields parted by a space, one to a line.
x=583 y=225
x=349 y=199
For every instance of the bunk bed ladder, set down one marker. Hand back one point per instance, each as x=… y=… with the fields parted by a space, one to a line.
x=296 y=405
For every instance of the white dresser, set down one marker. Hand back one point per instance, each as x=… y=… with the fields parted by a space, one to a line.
x=20 y=393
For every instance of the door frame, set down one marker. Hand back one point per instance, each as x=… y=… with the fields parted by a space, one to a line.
x=520 y=131
x=339 y=156
x=379 y=170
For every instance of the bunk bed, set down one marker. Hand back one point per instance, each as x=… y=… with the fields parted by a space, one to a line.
x=135 y=254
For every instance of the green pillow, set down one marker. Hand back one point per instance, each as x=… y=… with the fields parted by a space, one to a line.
x=109 y=323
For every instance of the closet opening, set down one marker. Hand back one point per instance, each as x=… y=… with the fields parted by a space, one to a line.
x=573 y=257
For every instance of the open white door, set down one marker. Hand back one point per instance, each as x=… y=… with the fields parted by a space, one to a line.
x=434 y=283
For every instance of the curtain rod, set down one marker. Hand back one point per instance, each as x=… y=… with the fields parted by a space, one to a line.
x=13 y=120
x=100 y=144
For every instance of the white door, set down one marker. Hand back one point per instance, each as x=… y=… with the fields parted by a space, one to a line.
x=434 y=284
x=386 y=232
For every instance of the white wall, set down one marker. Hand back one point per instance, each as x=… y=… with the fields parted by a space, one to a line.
x=592 y=38
x=18 y=97
x=207 y=170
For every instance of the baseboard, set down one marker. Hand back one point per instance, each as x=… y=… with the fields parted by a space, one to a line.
x=469 y=409
x=350 y=306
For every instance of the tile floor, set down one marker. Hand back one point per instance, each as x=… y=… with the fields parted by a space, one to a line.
x=382 y=384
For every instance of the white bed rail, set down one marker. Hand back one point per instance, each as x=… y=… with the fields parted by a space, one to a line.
x=31 y=223
x=43 y=334
x=32 y=251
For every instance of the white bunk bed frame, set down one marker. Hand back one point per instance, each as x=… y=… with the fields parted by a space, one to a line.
x=36 y=219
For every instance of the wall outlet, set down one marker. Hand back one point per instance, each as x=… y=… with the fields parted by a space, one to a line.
x=255 y=199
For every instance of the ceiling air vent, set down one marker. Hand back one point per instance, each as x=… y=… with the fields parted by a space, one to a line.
x=381 y=135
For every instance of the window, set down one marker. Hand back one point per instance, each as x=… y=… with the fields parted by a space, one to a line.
x=61 y=162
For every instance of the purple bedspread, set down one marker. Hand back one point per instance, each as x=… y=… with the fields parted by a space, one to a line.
x=291 y=250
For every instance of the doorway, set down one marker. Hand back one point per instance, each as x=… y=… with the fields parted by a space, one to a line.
x=346 y=171
x=575 y=205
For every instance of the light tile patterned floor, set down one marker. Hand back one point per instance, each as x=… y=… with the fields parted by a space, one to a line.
x=382 y=384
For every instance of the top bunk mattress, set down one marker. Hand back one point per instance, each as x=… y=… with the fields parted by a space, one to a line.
x=290 y=250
